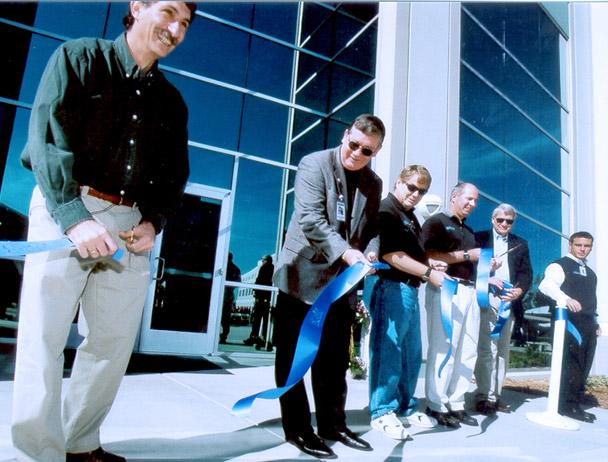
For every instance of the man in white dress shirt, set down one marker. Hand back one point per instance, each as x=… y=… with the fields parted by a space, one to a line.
x=571 y=284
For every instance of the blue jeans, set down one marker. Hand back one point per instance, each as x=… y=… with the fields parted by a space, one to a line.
x=395 y=348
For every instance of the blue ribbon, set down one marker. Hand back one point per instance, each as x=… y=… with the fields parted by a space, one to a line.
x=561 y=314
x=310 y=333
x=448 y=290
x=11 y=249
x=504 y=310
x=484 y=265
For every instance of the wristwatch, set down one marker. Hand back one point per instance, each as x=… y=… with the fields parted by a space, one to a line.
x=425 y=277
x=466 y=256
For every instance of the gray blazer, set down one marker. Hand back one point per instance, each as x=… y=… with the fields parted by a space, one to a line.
x=315 y=239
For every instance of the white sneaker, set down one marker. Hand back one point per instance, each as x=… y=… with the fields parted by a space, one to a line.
x=420 y=419
x=391 y=426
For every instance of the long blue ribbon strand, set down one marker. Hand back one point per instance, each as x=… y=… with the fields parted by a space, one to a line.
x=11 y=249
x=310 y=333
x=448 y=290
x=484 y=265
x=561 y=314
x=504 y=311
x=483 y=287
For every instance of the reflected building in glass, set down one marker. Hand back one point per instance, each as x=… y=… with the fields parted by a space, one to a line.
x=504 y=95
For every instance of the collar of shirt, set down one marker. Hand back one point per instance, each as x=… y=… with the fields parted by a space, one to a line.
x=451 y=215
x=499 y=238
x=398 y=204
x=127 y=61
x=578 y=260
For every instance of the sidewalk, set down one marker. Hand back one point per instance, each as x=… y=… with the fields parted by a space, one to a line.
x=185 y=416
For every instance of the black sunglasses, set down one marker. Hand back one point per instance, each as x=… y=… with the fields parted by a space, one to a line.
x=500 y=221
x=412 y=188
x=354 y=146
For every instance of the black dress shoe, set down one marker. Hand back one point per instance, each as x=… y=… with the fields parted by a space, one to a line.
x=577 y=413
x=590 y=416
x=98 y=455
x=464 y=418
x=347 y=438
x=443 y=418
x=485 y=407
x=501 y=407
x=312 y=445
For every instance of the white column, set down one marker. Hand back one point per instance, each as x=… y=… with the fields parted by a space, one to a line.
x=417 y=94
x=417 y=89
x=590 y=110
x=392 y=67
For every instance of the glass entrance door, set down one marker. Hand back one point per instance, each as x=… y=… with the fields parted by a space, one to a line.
x=187 y=260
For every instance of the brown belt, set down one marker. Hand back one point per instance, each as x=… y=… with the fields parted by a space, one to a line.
x=117 y=200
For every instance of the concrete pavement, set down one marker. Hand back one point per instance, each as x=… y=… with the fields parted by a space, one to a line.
x=185 y=417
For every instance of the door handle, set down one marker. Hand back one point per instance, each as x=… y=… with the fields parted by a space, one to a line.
x=161 y=265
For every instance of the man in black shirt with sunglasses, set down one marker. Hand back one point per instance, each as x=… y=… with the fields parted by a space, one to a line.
x=493 y=355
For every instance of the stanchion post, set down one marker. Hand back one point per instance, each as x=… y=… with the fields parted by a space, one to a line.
x=550 y=417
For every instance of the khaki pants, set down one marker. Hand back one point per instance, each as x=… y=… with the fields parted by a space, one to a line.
x=111 y=300
x=447 y=392
x=492 y=355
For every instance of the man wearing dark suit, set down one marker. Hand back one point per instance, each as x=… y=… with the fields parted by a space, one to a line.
x=493 y=355
x=335 y=212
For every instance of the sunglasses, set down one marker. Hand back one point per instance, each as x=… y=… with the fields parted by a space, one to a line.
x=500 y=221
x=354 y=146
x=413 y=188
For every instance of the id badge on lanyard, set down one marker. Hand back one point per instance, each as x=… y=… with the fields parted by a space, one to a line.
x=341 y=209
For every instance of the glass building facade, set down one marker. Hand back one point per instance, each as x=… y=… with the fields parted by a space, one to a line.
x=478 y=92
x=514 y=120
x=265 y=84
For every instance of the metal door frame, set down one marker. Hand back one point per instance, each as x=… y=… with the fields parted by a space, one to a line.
x=190 y=343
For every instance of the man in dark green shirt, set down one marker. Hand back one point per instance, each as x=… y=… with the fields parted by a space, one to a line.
x=108 y=147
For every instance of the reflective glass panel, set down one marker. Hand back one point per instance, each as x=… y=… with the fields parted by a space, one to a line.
x=500 y=121
x=528 y=33
x=502 y=72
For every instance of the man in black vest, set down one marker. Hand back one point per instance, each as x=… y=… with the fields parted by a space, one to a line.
x=571 y=284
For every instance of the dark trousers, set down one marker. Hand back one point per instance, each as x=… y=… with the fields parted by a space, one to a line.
x=226 y=316
x=576 y=363
x=328 y=372
x=518 y=333
x=260 y=317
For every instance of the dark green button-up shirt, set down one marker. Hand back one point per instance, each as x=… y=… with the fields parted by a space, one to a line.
x=99 y=121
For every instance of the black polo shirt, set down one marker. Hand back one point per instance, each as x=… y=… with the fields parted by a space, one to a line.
x=399 y=232
x=443 y=233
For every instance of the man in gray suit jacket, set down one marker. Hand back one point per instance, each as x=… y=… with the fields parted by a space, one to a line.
x=337 y=197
